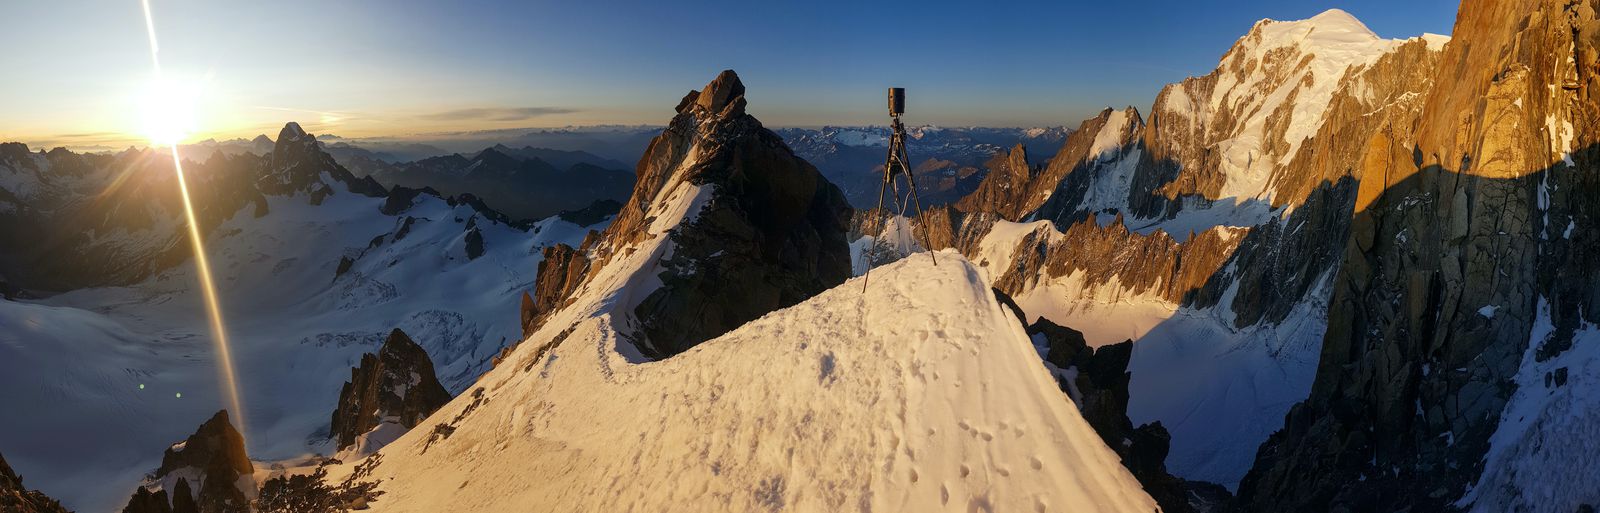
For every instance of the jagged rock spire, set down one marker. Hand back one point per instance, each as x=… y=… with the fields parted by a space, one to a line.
x=396 y=383
x=770 y=233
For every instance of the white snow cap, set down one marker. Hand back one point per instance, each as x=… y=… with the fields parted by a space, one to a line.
x=1330 y=44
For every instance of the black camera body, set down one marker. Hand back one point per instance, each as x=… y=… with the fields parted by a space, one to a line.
x=897 y=101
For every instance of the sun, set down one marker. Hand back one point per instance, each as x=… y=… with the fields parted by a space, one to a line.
x=168 y=111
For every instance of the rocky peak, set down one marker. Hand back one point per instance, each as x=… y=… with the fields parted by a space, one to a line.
x=1004 y=189
x=724 y=96
x=215 y=445
x=297 y=164
x=1087 y=161
x=739 y=224
x=291 y=133
x=396 y=386
x=215 y=457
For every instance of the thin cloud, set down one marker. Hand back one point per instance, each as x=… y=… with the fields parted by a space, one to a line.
x=88 y=135
x=496 y=114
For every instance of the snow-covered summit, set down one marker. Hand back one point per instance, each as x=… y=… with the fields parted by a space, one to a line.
x=921 y=394
x=1269 y=93
x=1328 y=27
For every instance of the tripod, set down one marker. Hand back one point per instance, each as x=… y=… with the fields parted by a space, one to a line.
x=896 y=164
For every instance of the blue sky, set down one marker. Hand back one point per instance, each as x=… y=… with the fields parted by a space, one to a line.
x=392 y=67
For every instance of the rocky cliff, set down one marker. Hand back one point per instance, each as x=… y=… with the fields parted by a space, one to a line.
x=394 y=388
x=1464 y=277
x=760 y=228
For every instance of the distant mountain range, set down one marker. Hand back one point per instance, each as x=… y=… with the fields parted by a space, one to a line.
x=948 y=162
x=526 y=183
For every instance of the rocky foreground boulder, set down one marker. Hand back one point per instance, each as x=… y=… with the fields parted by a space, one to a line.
x=396 y=386
x=15 y=498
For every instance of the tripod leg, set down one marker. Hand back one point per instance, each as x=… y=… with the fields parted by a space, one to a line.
x=926 y=240
x=866 y=253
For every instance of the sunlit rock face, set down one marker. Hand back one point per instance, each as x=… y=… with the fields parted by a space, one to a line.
x=1463 y=291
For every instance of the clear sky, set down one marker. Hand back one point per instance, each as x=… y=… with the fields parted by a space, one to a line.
x=75 y=70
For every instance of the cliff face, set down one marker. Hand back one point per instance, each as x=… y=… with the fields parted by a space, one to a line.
x=1461 y=281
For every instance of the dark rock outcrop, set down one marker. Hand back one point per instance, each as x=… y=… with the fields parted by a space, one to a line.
x=560 y=272
x=1097 y=381
x=395 y=385
x=15 y=498
x=183 y=498
x=215 y=453
x=146 y=501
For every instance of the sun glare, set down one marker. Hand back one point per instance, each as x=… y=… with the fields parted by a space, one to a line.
x=167 y=110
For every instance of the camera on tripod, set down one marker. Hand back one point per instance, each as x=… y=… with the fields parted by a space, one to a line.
x=897 y=163
x=897 y=101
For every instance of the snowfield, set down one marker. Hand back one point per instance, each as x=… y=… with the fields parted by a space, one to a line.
x=1219 y=390
x=100 y=371
x=1542 y=454
x=921 y=394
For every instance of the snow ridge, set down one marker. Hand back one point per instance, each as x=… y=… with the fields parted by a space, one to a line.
x=922 y=394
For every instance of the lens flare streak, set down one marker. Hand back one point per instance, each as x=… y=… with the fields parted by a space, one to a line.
x=219 y=332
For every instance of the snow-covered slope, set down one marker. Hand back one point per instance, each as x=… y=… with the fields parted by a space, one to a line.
x=920 y=395
x=1219 y=389
x=99 y=371
x=1546 y=449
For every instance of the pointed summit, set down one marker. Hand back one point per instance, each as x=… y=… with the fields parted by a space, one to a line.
x=396 y=388
x=213 y=458
x=725 y=215
x=723 y=97
x=291 y=132
x=724 y=89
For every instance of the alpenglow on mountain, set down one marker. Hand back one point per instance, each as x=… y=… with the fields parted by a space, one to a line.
x=1338 y=272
